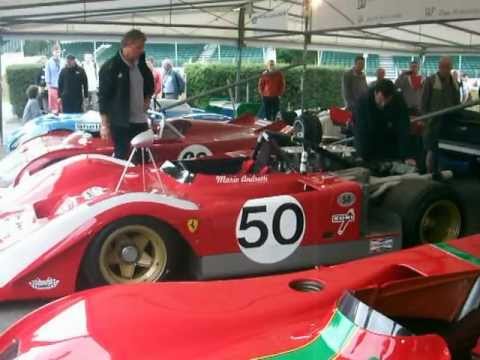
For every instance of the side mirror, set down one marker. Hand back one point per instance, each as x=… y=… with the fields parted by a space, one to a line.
x=157 y=122
x=143 y=140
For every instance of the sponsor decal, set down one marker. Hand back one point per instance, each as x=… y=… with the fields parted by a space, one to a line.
x=361 y=4
x=344 y=220
x=380 y=245
x=430 y=11
x=223 y=179
x=346 y=199
x=270 y=229
x=47 y=284
x=194 y=151
x=192 y=225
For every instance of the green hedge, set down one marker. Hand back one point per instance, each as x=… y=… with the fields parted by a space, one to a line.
x=322 y=85
x=19 y=77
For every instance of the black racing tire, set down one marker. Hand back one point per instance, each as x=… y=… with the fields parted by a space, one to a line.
x=309 y=125
x=103 y=263
x=430 y=211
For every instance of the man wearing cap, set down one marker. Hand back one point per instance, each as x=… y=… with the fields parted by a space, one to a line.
x=72 y=86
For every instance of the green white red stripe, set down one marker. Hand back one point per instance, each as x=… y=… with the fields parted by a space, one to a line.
x=458 y=253
x=327 y=345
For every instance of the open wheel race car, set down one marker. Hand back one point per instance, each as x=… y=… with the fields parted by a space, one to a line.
x=182 y=138
x=420 y=303
x=93 y=220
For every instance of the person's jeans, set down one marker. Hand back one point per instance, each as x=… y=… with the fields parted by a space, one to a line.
x=72 y=106
x=271 y=105
x=121 y=137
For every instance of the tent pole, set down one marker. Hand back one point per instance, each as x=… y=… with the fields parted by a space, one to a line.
x=307 y=38
x=241 y=36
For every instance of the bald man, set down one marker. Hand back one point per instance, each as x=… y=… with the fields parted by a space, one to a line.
x=441 y=91
x=380 y=74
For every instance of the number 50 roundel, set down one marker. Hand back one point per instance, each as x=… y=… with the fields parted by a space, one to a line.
x=270 y=229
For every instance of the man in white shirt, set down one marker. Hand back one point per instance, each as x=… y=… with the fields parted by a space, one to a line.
x=90 y=68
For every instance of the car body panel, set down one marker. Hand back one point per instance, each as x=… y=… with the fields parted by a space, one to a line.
x=90 y=121
x=271 y=320
x=245 y=224
x=201 y=137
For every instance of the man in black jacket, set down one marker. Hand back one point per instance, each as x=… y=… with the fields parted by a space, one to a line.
x=125 y=88
x=72 y=86
x=382 y=125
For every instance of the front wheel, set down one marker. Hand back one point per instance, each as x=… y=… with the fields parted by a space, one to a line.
x=431 y=212
x=131 y=250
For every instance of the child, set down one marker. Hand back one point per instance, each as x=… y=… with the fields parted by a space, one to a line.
x=32 y=109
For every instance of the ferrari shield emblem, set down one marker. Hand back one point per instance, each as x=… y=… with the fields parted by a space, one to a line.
x=192 y=225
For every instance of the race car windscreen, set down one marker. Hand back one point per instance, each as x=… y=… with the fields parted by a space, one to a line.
x=177 y=171
x=368 y=318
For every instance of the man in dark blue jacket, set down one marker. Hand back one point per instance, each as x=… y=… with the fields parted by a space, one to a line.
x=382 y=124
x=125 y=88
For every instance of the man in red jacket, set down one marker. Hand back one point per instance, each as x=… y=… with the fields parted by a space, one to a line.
x=271 y=86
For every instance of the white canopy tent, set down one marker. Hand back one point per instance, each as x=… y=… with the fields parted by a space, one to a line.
x=408 y=26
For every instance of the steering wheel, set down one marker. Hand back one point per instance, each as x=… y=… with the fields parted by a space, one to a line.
x=267 y=145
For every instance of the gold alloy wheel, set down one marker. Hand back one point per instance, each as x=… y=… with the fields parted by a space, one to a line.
x=442 y=221
x=132 y=254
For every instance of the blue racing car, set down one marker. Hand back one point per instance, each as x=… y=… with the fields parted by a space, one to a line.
x=89 y=122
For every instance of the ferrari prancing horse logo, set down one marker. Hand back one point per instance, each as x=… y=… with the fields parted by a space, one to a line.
x=192 y=225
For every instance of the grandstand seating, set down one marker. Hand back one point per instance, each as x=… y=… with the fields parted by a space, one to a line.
x=106 y=51
x=186 y=53
x=340 y=59
x=228 y=54
x=430 y=64
x=401 y=63
x=189 y=52
x=373 y=63
x=77 y=49
x=160 y=52
x=471 y=65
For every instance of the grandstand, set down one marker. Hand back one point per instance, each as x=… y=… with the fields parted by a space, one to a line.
x=182 y=53
x=471 y=66
x=188 y=53
x=77 y=49
x=340 y=59
x=185 y=53
x=430 y=63
x=228 y=54
x=373 y=63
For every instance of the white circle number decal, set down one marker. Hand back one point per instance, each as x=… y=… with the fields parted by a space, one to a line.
x=270 y=229
x=194 y=151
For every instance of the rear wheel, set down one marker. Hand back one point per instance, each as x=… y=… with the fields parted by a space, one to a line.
x=132 y=250
x=431 y=212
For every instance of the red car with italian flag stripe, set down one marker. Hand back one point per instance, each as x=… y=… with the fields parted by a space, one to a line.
x=92 y=220
x=420 y=303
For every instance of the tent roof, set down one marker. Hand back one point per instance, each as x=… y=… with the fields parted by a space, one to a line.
x=409 y=26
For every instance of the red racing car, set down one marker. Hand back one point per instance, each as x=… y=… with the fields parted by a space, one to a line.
x=92 y=219
x=182 y=138
x=420 y=303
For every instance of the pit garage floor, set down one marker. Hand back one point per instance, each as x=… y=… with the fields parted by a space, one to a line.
x=469 y=191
